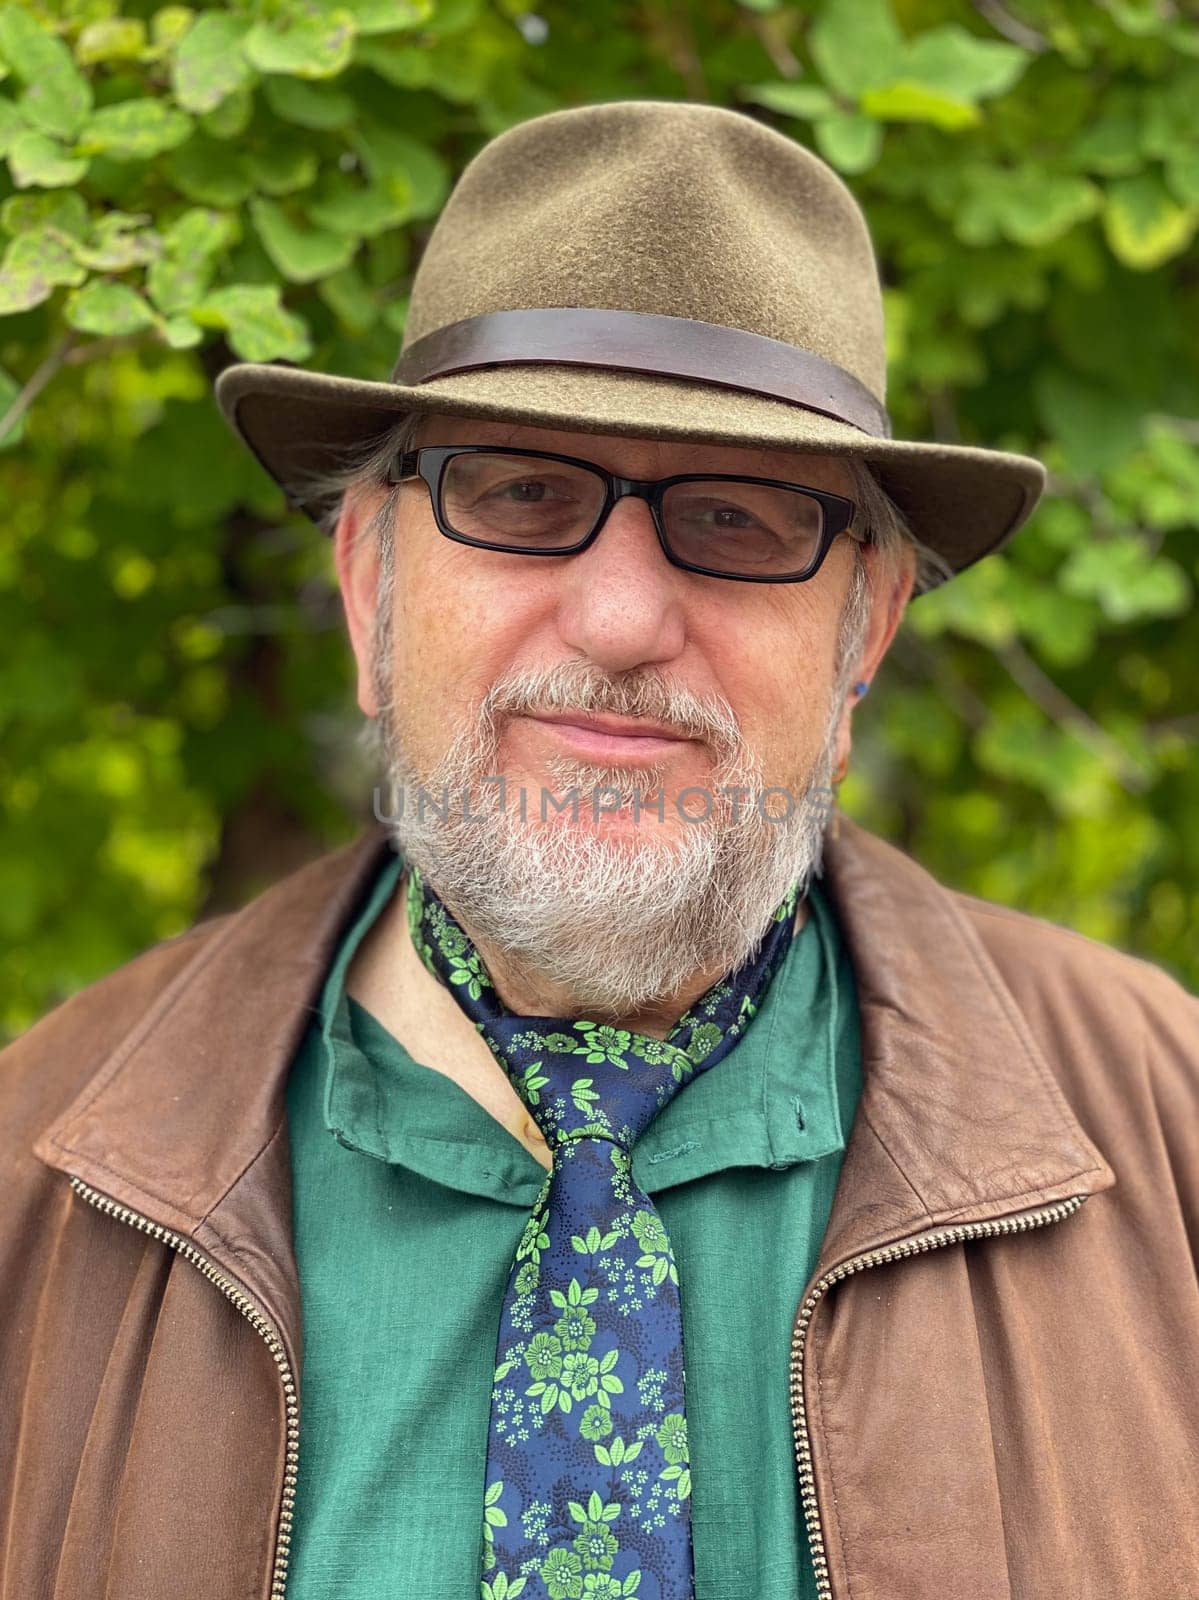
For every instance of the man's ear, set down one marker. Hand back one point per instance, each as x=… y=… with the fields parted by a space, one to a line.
x=356 y=556
x=891 y=584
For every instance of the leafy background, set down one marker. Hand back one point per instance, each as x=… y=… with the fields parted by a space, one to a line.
x=182 y=187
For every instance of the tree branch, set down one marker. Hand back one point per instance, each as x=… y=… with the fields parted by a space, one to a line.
x=38 y=382
x=1011 y=27
x=1058 y=706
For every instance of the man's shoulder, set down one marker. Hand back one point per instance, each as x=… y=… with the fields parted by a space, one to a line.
x=1024 y=944
x=290 y=923
x=43 y=1069
x=1074 y=988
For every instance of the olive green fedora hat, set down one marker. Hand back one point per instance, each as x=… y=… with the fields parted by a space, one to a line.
x=653 y=269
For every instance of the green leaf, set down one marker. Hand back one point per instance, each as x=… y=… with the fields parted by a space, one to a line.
x=204 y=171
x=973 y=606
x=364 y=212
x=1097 y=425
x=27 y=212
x=11 y=124
x=803 y=100
x=281 y=165
x=1111 y=143
x=857 y=45
x=34 y=264
x=258 y=325
x=183 y=272
x=309 y=105
x=134 y=130
x=1167 y=112
x=905 y=101
x=1126 y=581
x=181 y=333
x=1182 y=174
x=961 y=65
x=1144 y=225
x=34 y=159
x=111 y=308
x=232 y=117
x=303 y=45
x=209 y=64
x=387 y=16
x=301 y=254
x=850 y=141
x=57 y=96
x=389 y=154
x=117 y=242
x=1025 y=205
x=169 y=24
x=111 y=39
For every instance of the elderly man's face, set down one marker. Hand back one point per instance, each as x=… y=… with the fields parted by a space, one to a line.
x=608 y=668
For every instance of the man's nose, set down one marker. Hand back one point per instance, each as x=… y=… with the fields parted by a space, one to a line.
x=621 y=600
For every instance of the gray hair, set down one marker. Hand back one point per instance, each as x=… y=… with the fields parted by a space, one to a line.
x=364 y=466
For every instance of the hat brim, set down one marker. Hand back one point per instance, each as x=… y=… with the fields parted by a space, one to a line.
x=961 y=501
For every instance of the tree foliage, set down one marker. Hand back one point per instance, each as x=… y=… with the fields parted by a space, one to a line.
x=183 y=186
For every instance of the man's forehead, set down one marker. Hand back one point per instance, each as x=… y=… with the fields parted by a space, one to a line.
x=642 y=458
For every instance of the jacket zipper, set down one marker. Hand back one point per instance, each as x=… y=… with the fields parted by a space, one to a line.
x=261 y=1324
x=874 y=1258
x=803 y=1447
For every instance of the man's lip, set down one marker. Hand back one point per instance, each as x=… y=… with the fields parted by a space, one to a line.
x=618 y=727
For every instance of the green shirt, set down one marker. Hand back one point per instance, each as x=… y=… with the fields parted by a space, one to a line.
x=406 y=1224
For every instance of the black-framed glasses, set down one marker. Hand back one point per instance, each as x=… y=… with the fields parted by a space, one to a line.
x=531 y=502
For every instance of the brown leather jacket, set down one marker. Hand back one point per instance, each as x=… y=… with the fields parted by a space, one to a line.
x=993 y=1377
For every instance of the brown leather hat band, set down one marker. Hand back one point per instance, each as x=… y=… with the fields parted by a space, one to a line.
x=658 y=346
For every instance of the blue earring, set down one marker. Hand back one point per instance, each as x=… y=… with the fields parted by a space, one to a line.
x=860 y=689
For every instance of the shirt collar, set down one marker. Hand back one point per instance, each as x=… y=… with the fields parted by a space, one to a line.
x=771 y=1102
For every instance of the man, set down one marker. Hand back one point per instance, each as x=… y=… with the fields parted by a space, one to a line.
x=630 y=1185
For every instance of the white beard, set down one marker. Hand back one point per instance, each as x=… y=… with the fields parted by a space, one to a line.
x=618 y=923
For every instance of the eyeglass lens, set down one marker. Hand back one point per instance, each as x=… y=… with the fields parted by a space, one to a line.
x=532 y=504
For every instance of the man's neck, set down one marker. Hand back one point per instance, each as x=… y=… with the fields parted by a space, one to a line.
x=526 y=993
x=388 y=977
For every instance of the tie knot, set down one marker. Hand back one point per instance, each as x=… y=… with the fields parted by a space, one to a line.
x=587 y=1079
x=582 y=1079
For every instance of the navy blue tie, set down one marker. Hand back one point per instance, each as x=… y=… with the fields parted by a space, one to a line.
x=588 y=1483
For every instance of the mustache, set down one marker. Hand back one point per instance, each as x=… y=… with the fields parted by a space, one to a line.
x=581 y=686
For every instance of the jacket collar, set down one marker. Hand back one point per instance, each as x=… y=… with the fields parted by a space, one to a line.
x=960 y=1118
